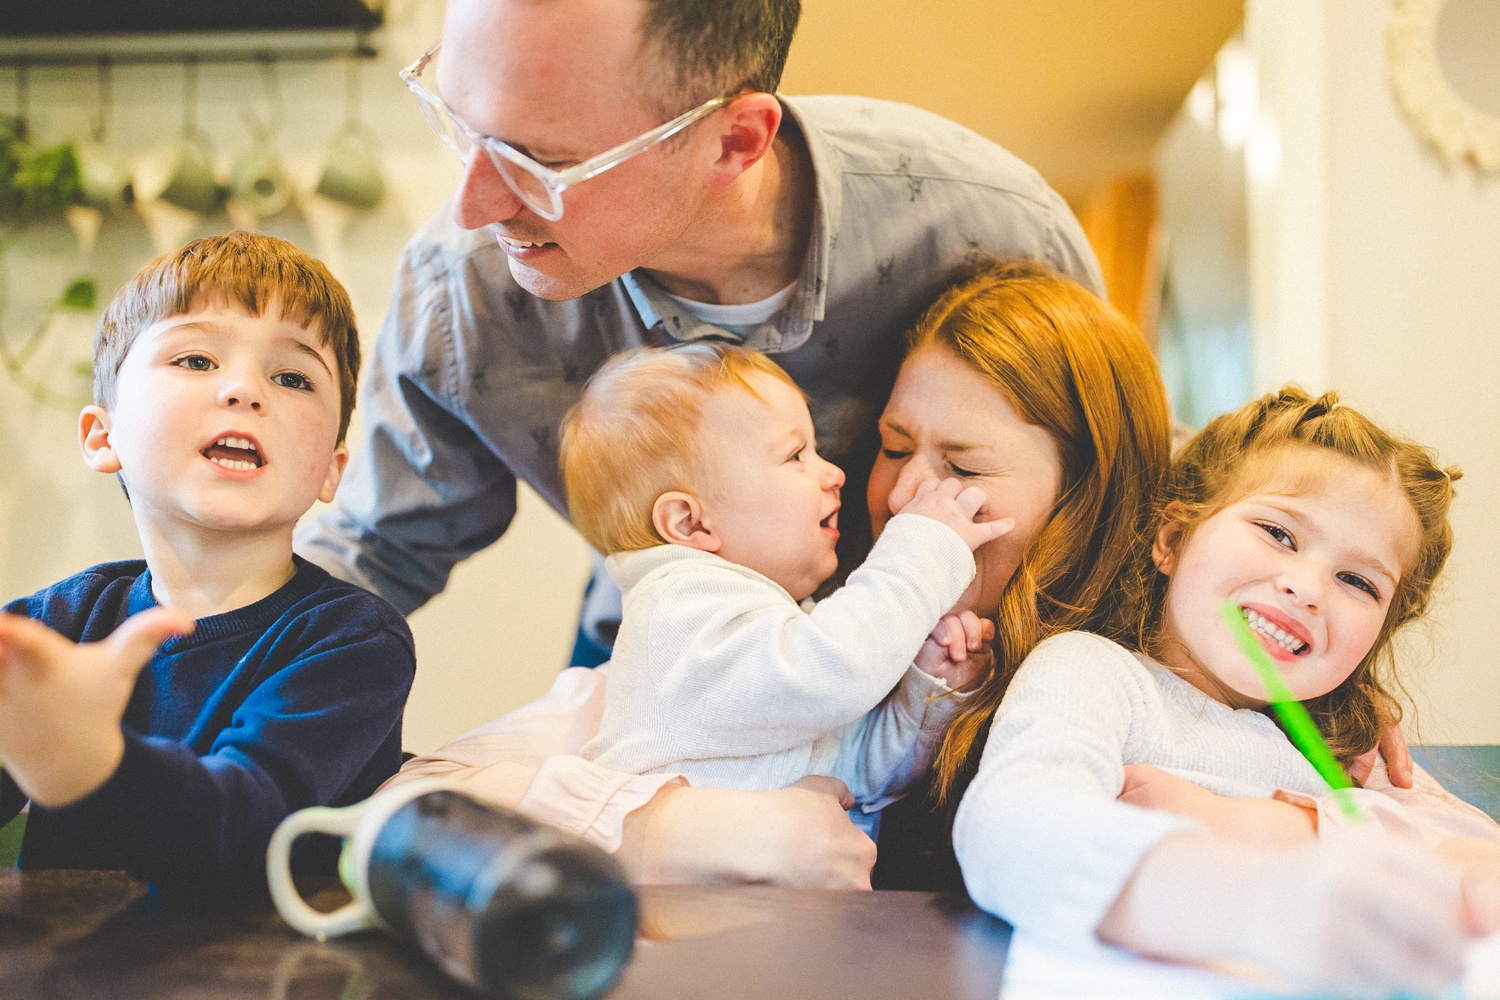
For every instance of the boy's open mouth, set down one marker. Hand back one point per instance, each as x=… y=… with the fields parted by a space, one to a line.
x=1263 y=625
x=831 y=521
x=234 y=453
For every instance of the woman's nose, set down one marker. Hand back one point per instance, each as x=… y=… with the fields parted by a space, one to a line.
x=912 y=475
x=483 y=195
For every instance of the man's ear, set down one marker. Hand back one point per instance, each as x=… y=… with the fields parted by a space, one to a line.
x=678 y=519
x=336 y=466
x=1169 y=536
x=745 y=135
x=93 y=439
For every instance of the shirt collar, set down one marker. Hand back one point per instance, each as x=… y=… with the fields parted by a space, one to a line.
x=790 y=328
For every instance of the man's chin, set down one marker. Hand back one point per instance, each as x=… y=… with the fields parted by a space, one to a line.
x=545 y=284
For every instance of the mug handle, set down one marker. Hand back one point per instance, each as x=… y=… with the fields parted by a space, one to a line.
x=353 y=916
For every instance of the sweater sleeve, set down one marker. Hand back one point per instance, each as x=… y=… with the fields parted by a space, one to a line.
x=1040 y=837
x=321 y=729
x=748 y=672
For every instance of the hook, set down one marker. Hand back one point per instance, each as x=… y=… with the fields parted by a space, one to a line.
x=190 y=95
x=275 y=107
x=23 y=101
x=351 y=94
x=106 y=101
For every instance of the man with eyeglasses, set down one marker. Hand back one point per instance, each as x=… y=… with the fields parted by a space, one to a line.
x=630 y=176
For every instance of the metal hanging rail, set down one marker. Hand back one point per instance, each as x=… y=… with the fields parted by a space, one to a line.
x=201 y=48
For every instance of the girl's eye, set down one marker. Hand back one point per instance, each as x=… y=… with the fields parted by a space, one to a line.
x=894 y=455
x=1360 y=583
x=196 y=363
x=291 y=380
x=1280 y=534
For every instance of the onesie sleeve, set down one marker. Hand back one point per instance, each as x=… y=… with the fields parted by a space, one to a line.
x=322 y=727
x=527 y=760
x=1039 y=835
x=894 y=744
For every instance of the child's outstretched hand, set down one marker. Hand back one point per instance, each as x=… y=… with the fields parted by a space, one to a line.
x=958 y=650
x=61 y=702
x=948 y=501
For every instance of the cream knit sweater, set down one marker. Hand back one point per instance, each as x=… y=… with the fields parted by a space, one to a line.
x=719 y=675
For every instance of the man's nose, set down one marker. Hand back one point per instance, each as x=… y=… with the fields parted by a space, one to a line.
x=915 y=472
x=483 y=195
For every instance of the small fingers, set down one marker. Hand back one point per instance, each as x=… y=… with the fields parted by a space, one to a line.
x=988 y=531
x=825 y=784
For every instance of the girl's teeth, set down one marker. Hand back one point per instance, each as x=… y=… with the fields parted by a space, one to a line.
x=1267 y=628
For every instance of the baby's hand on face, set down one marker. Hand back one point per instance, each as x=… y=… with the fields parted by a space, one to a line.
x=948 y=501
x=958 y=651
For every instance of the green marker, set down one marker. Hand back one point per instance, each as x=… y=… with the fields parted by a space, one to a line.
x=1300 y=728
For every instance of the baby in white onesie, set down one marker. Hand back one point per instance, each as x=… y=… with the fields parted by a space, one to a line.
x=693 y=469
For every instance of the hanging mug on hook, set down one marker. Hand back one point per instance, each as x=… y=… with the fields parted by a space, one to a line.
x=258 y=181
x=181 y=175
x=351 y=170
x=103 y=175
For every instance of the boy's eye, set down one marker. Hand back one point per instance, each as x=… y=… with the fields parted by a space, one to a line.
x=796 y=456
x=196 y=363
x=1360 y=583
x=1280 y=534
x=292 y=380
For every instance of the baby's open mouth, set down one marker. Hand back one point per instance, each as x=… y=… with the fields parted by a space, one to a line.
x=831 y=521
x=1270 y=630
x=234 y=453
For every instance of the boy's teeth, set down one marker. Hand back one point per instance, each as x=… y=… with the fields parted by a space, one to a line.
x=236 y=442
x=1267 y=628
x=230 y=463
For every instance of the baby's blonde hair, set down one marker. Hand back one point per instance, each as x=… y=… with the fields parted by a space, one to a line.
x=632 y=436
x=1228 y=460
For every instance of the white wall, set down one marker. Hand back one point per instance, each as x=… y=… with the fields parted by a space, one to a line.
x=503 y=629
x=1376 y=270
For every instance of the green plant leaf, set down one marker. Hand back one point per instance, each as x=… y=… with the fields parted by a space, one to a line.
x=82 y=293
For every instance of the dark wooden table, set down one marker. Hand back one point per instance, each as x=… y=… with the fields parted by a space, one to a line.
x=101 y=936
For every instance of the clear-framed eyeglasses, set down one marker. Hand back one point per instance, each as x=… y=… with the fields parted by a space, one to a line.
x=539 y=187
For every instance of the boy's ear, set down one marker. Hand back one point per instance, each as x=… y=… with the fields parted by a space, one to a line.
x=678 y=519
x=1169 y=535
x=93 y=439
x=336 y=466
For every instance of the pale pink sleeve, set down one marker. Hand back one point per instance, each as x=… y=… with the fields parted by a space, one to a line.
x=1426 y=812
x=527 y=760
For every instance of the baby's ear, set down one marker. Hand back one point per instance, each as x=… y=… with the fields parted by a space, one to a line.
x=1169 y=536
x=678 y=519
x=93 y=439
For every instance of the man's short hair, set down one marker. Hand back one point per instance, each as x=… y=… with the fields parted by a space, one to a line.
x=244 y=270
x=632 y=436
x=718 y=47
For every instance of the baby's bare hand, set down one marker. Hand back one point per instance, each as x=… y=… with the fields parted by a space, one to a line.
x=948 y=501
x=958 y=650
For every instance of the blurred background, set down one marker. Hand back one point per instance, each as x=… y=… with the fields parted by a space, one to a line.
x=1278 y=190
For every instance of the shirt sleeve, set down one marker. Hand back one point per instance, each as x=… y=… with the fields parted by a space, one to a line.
x=527 y=760
x=747 y=672
x=1041 y=839
x=894 y=744
x=323 y=729
x=422 y=491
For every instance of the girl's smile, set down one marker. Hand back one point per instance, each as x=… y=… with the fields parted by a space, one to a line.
x=1311 y=558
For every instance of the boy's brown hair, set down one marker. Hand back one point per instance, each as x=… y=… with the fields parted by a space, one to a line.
x=245 y=270
x=1238 y=452
x=632 y=436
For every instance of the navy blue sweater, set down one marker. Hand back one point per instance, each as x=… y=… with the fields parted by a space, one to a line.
x=293 y=701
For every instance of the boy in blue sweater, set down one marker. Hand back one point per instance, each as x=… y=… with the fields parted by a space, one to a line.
x=162 y=716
